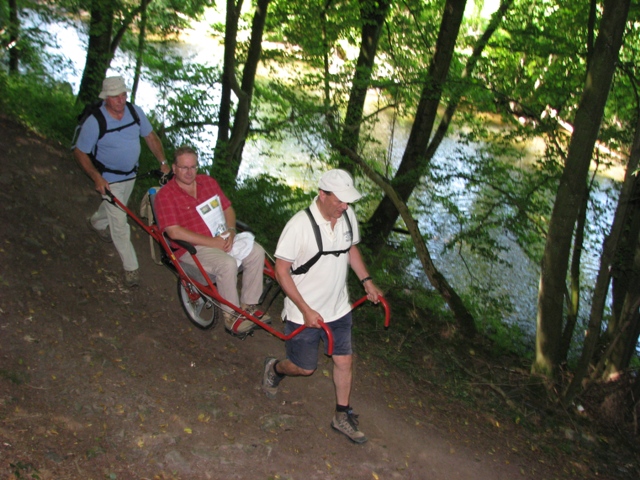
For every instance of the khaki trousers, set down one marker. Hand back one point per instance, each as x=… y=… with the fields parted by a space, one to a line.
x=224 y=268
x=115 y=218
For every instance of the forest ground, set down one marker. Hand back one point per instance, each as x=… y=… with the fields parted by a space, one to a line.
x=98 y=381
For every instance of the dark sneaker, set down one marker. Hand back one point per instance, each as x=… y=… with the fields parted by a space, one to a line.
x=254 y=310
x=347 y=423
x=104 y=235
x=238 y=325
x=131 y=278
x=270 y=379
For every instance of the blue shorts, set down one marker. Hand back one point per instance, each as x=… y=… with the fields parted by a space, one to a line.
x=302 y=349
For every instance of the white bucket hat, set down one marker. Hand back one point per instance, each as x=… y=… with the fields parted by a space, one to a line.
x=112 y=87
x=340 y=184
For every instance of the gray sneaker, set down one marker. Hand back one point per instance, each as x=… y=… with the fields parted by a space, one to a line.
x=255 y=310
x=131 y=278
x=237 y=325
x=347 y=424
x=104 y=235
x=270 y=379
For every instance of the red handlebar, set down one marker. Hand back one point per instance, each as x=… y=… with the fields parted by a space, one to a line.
x=385 y=305
x=323 y=325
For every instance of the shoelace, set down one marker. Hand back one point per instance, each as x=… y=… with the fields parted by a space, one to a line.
x=352 y=418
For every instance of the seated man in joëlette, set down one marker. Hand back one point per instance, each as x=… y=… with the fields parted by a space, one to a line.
x=192 y=207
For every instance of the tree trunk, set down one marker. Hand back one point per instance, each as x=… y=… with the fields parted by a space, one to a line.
x=622 y=271
x=571 y=190
x=98 y=52
x=627 y=292
x=625 y=348
x=373 y=15
x=14 y=33
x=452 y=106
x=228 y=80
x=413 y=161
x=142 y=31
x=241 y=122
x=573 y=294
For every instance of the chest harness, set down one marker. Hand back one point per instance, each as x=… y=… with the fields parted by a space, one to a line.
x=316 y=231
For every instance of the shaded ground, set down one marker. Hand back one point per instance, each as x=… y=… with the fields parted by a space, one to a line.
x=102 y=382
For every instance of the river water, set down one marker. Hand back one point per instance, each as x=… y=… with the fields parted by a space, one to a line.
x=516 y=278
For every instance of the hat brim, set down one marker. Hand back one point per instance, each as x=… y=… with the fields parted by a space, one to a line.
x=103 y=95
x=348 y=195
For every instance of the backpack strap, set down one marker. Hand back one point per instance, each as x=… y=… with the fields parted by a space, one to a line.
x=102 y=168
x=302 y=269
x=102 y=122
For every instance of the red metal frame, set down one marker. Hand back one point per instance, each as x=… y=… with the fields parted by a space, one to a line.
x=210 y=290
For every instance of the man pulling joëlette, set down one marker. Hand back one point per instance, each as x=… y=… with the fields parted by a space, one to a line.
x=117 y=152
x=321 y=293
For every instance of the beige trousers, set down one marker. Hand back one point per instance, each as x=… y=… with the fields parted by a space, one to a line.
x=115 y=218
x=225 y=270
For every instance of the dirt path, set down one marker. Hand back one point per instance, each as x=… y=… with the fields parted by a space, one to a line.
x=101 y=382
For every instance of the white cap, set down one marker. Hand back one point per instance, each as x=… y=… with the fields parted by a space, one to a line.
x=112 y=87
x=340 y=184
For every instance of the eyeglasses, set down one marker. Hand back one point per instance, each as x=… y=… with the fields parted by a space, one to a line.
x=186 y=169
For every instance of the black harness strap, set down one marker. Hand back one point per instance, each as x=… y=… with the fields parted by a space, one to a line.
x=316 y=231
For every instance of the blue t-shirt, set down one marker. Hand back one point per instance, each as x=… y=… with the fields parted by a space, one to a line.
x=116 y=150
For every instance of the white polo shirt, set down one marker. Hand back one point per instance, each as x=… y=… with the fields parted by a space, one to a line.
x=324 y=286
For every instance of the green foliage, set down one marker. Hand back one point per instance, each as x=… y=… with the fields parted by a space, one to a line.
x=170 y=17
x=316 y=28
x=186 y=110
x=266 y=204
x=491 y=311
x=41 y=104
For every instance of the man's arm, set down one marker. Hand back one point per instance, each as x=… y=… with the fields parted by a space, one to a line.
x=230 y=219
x=87 y=166
x=176 y=232
x=230 y=234
x=284 y=278
x=155 y=145
x=222 y=242
x=357 y=264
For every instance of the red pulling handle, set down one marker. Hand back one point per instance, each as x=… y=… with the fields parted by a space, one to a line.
x=385 y=305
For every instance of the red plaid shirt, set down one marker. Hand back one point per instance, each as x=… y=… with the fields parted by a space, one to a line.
x=174 y=206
